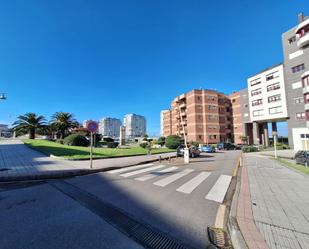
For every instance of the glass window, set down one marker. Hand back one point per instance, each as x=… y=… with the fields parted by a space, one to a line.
x=255 y=81
x=298 y=68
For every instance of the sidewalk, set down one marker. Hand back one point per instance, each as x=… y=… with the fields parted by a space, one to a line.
x=274 y=206
x=19 y=162
x=288 y=154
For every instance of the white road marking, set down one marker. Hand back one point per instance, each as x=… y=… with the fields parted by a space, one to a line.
x=167 y=180
x=153 y=175
x=114 y=171
x=189 y=186
x=218 y=191
x=136 y=172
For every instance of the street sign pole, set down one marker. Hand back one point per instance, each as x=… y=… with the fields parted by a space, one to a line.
x=92 y=127
x=91 y=148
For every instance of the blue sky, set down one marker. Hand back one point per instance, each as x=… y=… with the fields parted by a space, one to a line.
x=108 y=58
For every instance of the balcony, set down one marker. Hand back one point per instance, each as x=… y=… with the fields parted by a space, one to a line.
x=302 y=34
x=303 y=41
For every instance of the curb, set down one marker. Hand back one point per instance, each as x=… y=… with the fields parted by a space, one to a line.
x=70 y=173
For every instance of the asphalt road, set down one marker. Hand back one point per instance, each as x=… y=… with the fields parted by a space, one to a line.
x=178 y=200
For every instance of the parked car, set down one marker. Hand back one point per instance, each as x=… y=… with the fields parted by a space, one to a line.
x=228 y=146
x=208 y=148
x=302 y=157
x=193 y=151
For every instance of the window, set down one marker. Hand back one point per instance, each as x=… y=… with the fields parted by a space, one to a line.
x=298 y=68
x=257 y=102
x=199 y=137
x=275 y=110
x=212 y=117
x=306 y=97
x=299 y=100
x=256 y=92
x=272 y=75
x=233 y=100
x=274 y=98
x=258 y=113
x=305 y=81
x=209 y=97
x=300 y=115
x=273 y=87
x=198 y=98
x=255 y=81
x=292 y=39
x=245 y=105
x=212 y=107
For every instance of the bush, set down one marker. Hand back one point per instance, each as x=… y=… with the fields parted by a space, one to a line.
x=247 y=149
x=196 y=144
x=161 y=141
x=145 y=145
x=60 y=141
x=112 y=144
x=76 y=140
x=173 y=141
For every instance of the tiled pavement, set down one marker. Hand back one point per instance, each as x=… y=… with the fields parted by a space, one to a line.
x=17 y=161
x=280 y=202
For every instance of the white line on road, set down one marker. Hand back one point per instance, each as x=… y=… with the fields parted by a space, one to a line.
x=218 y=191
x=136 y=172
x=154 y=174
x=189 y=186
x=172 y=178
x=114 y=171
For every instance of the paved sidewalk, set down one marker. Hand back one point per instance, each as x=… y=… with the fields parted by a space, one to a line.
x=19 y=162
x=289 y=154
x=279 y=202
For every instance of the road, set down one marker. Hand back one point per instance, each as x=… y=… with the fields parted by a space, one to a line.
x=174 y=201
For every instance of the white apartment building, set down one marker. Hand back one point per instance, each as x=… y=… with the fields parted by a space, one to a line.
x=135 y=125
x=109 y=127
x=267 y=99
x=267 y=102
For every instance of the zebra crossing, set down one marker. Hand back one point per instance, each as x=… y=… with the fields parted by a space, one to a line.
x=150 y=171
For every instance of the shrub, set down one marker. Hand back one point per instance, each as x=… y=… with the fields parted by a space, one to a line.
x=60 y=141
x=173 y=141
x=76 y=140
x=194 y=143
x=247 y=149
x=161 y=141
x=145 y=145
x=112 y=144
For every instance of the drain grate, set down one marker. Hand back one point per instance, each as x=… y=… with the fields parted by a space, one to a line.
x=147 y=236
x=219 y=237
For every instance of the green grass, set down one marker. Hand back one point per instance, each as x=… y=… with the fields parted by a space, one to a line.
x=76 y=152
x=295 y=166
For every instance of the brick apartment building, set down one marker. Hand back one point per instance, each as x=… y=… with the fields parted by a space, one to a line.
x=204 y=116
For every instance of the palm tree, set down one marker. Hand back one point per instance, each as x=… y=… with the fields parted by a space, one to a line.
x=62 y=122
x=29 y=123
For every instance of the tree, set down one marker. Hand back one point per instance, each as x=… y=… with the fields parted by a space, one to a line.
x=29 y=123
x=173 y=141
x=62 y=122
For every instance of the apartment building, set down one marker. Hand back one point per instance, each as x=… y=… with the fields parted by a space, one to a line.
x=295 y=44
x=135 y=125
x=202 y=115
x=241 y=123
x=109 y=127
x=165 y=123
x=267 y=102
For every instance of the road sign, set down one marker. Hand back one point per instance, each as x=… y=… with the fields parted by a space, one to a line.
x=92 y=126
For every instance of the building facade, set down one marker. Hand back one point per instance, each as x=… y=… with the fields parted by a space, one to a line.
x=135 y=125
x=203 y=116
x=295 y=44
x=110 y=127
x=162 y=130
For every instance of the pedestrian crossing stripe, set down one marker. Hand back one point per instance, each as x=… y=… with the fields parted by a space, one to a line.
x=189 y=186
x=116 y=171
x=136 y=172
x=167 y=180
x=155 y=173
x=216 y=193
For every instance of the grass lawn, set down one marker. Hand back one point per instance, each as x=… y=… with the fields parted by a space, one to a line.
x=77 y=152
x=295 y=166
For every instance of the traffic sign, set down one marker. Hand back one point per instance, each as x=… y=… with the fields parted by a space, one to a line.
x=92 y=126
